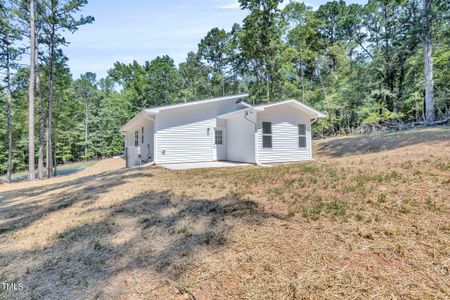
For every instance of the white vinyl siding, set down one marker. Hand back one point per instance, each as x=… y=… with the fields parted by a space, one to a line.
x=144 y=141
x=187 y=134
x=240 y=139
x=285 y=135
x=129 y=138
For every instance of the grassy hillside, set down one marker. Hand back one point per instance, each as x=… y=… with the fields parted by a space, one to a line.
x=367 y=219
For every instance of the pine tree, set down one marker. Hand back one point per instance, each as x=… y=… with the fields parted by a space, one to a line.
x=60 y=16
x=31 y=84
x=429 y=97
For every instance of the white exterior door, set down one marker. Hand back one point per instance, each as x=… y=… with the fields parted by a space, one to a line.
x=220 y=145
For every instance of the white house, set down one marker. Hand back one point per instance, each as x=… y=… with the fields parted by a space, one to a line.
x=225 y=128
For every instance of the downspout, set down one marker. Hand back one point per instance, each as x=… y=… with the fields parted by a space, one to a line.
x=155 y=140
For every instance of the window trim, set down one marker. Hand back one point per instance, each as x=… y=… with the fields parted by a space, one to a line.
x=302 y=136
x=136 y=138
x=266 y=134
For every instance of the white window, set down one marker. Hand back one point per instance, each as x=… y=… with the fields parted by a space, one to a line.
x=136 y=138
x=218 y=137
x=301 y=135
x=267 y=134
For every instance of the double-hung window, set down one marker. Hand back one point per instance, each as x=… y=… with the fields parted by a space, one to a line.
x=301 y=135
x=142 y=137
x=267 y=134
x=136 y=138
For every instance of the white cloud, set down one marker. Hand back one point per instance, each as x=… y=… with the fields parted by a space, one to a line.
x=124 y=33
x=232 y=5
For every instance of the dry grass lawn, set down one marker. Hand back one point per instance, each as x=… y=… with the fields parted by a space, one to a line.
x=369 y=218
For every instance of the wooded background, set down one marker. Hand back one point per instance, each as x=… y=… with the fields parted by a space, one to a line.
x=364 y=66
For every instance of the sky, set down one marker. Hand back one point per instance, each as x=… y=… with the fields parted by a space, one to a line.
x=143 y=29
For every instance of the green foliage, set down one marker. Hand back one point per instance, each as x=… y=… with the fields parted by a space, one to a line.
x=361 y=65
x=376 y=114
x=194 y=77
x=262 y=48
x=157 y=82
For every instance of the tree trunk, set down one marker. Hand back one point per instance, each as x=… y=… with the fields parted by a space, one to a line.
x=223 y=85
x=31 y=83
x=429 y=98
x=324 y=91
x=41 y=117
x=303 y=83
x=330 y=112
x=54 y=158
x=50 y=104
x=86 y=129
x=8 y=116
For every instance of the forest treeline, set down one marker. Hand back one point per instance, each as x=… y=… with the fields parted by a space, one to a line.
x=363 y=65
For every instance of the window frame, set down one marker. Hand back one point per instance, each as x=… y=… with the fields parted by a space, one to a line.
x=267 y=135
x=299 y=135
x=142 y=137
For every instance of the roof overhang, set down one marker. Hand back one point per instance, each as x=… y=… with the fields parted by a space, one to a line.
x=156 y=110
x=150 y=113
x=142 y=115
x=308 y=110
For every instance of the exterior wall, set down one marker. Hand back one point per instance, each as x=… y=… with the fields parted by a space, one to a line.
x=241 y=139
x=148 y=140
x=285 y=120
x=129 y=139
x=183 y=135
x=147 y=146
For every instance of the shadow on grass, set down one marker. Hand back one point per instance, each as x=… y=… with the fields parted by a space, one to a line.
x=376 y=143
x=81 y=190
x=155 y=233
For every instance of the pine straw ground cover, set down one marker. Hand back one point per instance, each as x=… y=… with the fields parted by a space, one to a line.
x=367 y=223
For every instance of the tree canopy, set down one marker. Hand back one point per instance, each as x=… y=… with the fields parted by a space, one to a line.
x=363 y=65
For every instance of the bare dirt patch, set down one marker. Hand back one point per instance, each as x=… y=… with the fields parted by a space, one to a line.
x=372 y=223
